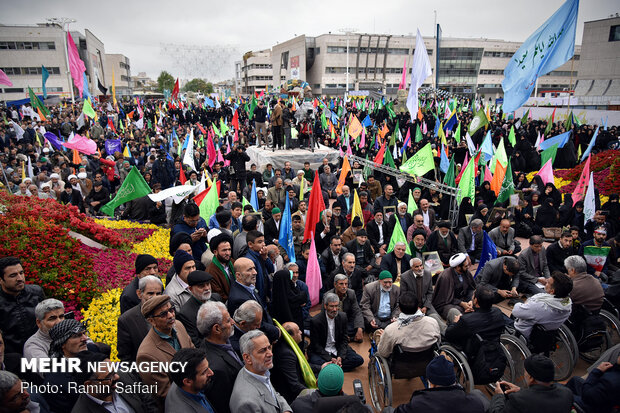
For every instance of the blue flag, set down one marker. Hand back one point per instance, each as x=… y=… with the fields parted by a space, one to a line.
x=445 y=163
x=590 y=146
x=489 y=252
x=451 y=123
x=209 y=102
x=85 y=91
x=44 y=74
x=254 y=196
x=113 y=145
x=436 y=131
x=549 y=47
x=286 y=232
x=561 y=140
x=487 y=145
x=367 y=122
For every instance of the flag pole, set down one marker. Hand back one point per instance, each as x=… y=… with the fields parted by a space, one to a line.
x=572 y=62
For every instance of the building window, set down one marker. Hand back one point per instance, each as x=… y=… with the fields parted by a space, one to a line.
x=26 y=71
x=27 y=45
x=498 y=54
x=614 y=33
x=317 y=50
x=395 y=50
x=13 y=90
x=284 y=60
x=491 y=72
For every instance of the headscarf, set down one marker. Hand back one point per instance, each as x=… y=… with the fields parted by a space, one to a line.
x=547 y=215
x=466 y=208
x=283 y=292
x=478 y=213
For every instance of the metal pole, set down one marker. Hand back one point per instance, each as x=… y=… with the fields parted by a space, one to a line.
x=346 y=93
x=572 y=62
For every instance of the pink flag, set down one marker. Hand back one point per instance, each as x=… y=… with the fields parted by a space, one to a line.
x=227 y=162
x=313 y=274
x=340 y=152
x=363 y=139
x=81 y=144
x=487 y=174
x=211 y=150
x=75 y=64
x=580 y=189
x=349 y=151
x=546 y=172
x=424 y=128
x=402 y=84
x=4 y=79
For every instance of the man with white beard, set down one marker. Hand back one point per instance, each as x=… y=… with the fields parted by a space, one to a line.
x=419 y=281
x=217 y=326
x=200 y=286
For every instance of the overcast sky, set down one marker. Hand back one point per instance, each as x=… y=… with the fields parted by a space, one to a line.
x=138 y=29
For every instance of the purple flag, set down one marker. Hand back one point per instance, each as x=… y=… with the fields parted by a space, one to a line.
x=113 y=145
x=53 y=139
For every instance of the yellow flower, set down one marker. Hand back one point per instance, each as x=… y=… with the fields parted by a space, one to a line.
x=156 y=245
x=121 y=223
x=102 y=317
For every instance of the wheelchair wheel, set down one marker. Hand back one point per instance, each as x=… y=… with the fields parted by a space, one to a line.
x=570 y=339
x=380 y=382
x=518 y=353
x=563 y=356
x=594 y=352
x=613 y=327
x=464 y=376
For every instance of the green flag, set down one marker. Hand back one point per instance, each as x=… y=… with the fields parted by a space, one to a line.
x=37 y=104
x=223 y=126
x=568 y=122
x=134 y=186
x=508 y=186
x=449 y=178
x=88 y=109
x=467 y=183
x=398 y=236
x=323 y=120
x=420 y=163
x=244 y=203
x=479 y=120
x=216 y=130
x=418 y=134
x=366 y=172
x=549 y=126
x=457 y=134
x=500 y=155
x=390 y=110
x=253 y=105
x=387 y=159
x=210 y=203
x=547 y=154
x=511 y=136
x=411 y=205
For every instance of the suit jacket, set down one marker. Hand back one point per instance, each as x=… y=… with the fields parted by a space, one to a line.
x=431 y=216
x=356 y=280
x=372 y=297
x=464 y=242
x=176 y=401
x=129 y=297
x=85 y=405
x=251 y=395
x=368 y=252
x=187 y=316
x=225 y=369
x=342 y=201
x=271 y=231
x=277 y=196
x=286 y=374
x=373 y=233
x=239 y=295
x=527 y=271
x=393 y=220
x=351 y=308
x=492 y=273
x=132 y=328
x=155 y=348
x=318 y=335
x=503 y=243
x=388 y=263
x=408 y=283
x=328 y=259
x=556 y=256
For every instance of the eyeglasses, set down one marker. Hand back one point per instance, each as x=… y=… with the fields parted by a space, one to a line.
x=164 y=313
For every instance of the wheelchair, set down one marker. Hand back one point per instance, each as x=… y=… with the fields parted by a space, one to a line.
x=591 y=331
x=610 y=314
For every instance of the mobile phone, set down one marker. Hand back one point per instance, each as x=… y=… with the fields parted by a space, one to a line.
x=504 y=387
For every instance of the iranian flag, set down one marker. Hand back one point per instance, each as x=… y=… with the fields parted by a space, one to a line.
x=596 y=256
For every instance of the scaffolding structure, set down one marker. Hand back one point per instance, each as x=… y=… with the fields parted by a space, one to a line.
x=213 y=63
x=421 y=181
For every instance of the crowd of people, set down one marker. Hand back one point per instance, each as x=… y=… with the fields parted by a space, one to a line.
x=236 y=308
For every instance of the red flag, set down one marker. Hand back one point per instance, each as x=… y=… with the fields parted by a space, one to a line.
x=202 y=130
x=465 y=163
x=379 y=157
x=175 y=91
x=211 y=153
x=182 y=176
x=553 y=115
x=477 y=160
x=111 y=124
x=201 y=196
x=315 y=206
x=580 y=189
x=235 y=121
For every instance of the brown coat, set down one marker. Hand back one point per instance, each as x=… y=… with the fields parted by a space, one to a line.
x=276 y=115
x=371 y=299
x=219 y=283
x=154 y=348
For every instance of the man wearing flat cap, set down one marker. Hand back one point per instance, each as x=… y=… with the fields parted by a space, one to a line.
x=200 y=286
x=163 y=340
x=541 y=393
x=145 y=265
x=178 y=289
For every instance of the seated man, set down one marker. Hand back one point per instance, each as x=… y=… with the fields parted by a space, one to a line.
x=48 y=313
x=470 y=240
x=362 y=249
x=328 y=337
x=353 y=273
x=250 y=316
x=559 y=251
x=349 y=305
x=502 y=276
x=15 y=398
x=504 y=239
x=443 y=393
x=598 y=254
x=541 y=391
x=587 y=291
x=454 y=288
x=412 y=330
x=600 y=391
x=549 y=309
x=418 y=280
x=418 y=225
x=287 y=376
x=378 y=232
x=443 y=241
x=534 y=269
x=380 y=302
x=397 y=261
x=332 y=256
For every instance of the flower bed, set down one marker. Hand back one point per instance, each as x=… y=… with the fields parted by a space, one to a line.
x=101 y=319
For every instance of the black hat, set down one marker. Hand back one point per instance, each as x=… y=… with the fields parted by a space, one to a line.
x=357 y=222
x=541 y=368
x=418 y=232
x=218 y=239
x=62 y=331
x=198 y=277
x=143 y=261
x=444 y=224
x=178 y=239
x=180 y=258
x=361 y=233
x=440 y=372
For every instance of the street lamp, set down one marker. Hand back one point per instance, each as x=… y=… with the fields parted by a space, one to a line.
x=61 y=22
x=347 y=31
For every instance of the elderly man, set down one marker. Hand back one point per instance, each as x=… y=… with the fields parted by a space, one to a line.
x=443 y=241
x=253 y=391
x=97 y=198
x=349 y=305
x=502 y=276
x=587 y=290
x=470 y=240
x=163 y=340
x=419 y=281
x=504 y=239
x=145 y=265
x=328 y=181
x=397 y=261
x=534 y=269
x=354 y=274
x=48 y=313
x=200 y=286
x=454 y=288
x=249 y=316
x=286 y=375
x=17 y=305
x=217 y=326
x=378 y=232
x=189 y=384
x=178 y=289
x=277 y=194
x=427 y=212
x=132 y=326
x=345 y=200
x=221 y=267
x=14 y=397
x=380 y=302
x=328 y=337
x=418 y=225
x=272 y=227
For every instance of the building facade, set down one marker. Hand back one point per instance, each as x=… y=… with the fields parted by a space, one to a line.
x=254 y=73
x=119 y=66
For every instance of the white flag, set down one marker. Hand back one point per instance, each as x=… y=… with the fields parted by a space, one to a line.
x=19 y=132
x=178 y=193
x=421 y=69
x=589 y=205
x=30 y=170
x=470 y=144
x=188 y=158
x=140 y=123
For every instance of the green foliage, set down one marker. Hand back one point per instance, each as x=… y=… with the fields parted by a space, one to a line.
x=198 y=85
x=165 y=81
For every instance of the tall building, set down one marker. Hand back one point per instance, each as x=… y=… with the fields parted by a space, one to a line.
x=472 y=67
x=255 y=72
x=118 y=65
